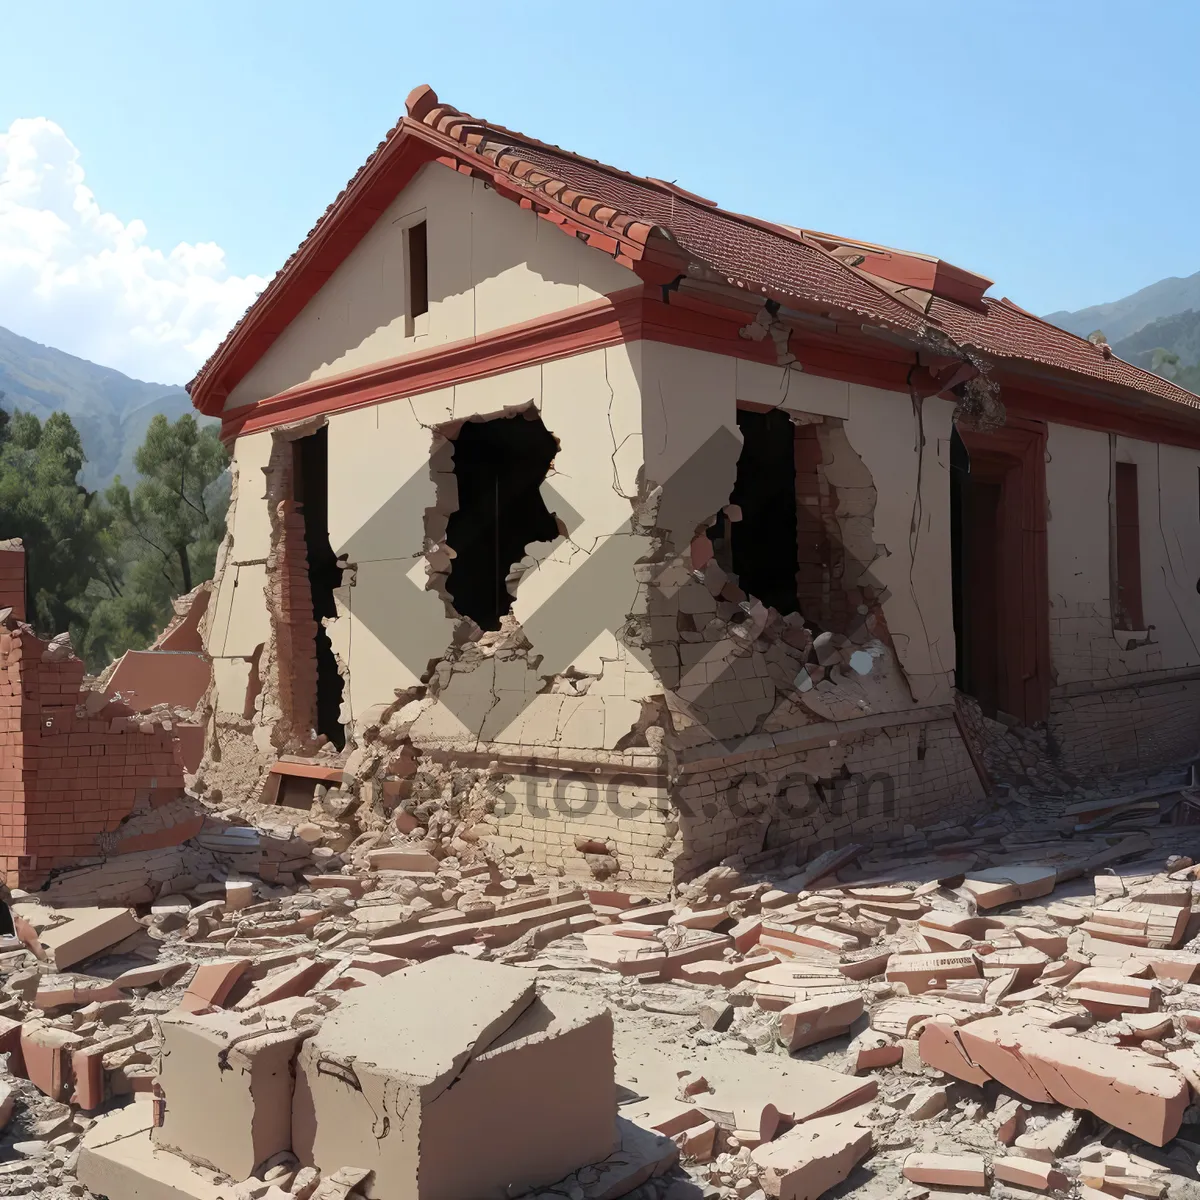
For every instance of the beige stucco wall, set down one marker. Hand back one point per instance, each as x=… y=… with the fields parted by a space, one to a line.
x=491 y=264
x=1083 y=646
x=391 y=625
x=240 y=623
x=612 y=410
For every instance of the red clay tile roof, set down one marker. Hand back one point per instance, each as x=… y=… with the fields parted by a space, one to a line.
x=662 y=227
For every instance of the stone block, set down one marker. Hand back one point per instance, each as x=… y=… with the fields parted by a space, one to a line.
x=532 y=1082
x=228 y=1081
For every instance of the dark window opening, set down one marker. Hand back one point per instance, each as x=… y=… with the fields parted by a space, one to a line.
x=311 y=491
x=418 y=270
x=761 y=548
x=1128 y=547
x=976 y=552
x=499 y=466
x=7 y=929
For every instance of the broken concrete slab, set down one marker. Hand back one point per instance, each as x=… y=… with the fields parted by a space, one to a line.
x=921 y=972
x=822 y=1016
x=228 y=1078
x=946 y=1170
x=996 y=886
x=118 y=1158
x=374 y=1084
x=80 y=933
x=813 y=1157
x=212 y=983
x=1126 y=1087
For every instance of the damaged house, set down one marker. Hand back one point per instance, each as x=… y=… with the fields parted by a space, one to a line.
x=690 y=535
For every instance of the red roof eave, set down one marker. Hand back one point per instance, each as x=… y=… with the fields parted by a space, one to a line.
x=663 y=232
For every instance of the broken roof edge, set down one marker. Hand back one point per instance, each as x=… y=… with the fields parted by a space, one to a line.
x=635 y=241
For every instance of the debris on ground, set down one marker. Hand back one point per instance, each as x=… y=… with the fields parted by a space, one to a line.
x=997 y=1006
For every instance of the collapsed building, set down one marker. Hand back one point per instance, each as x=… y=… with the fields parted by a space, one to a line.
x=564 y=563
x=695 y=534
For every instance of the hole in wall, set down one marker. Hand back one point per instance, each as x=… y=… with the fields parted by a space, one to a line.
x=310 y=482
x=253 y=683
x=499 y=467
x=7 y=928
x=761 y=548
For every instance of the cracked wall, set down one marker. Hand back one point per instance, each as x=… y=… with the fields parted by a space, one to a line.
x=1123 y=699
x=885 y=513
x=868 y=669
x=627 y=648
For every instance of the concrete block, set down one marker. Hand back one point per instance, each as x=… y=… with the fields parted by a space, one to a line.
x=84 y=932
x=813 y=1157
x=118 y=1158
x=227 y=1078
x=533 y=1082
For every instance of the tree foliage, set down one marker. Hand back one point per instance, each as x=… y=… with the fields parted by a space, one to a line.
x=107 y=567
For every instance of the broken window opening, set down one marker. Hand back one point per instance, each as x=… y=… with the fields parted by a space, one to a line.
x=760 y=549
x=499 y=466
x=7 y=928
x=418 y=270
x=310 y=476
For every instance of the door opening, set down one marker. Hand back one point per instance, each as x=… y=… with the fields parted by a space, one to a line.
x=310 y=484
x=761 y=549
x=998 y=571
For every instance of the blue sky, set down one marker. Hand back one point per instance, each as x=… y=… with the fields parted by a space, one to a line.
x=1049 y=146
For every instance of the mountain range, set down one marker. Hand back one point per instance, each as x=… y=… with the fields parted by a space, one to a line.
x=1157 y=328
x=110 y=410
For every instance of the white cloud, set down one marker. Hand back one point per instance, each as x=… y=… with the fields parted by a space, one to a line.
x=81 y=279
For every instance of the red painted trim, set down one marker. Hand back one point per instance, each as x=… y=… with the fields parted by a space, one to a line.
x=1102 y=416
x=605 y=322
x=351 y=216
x=694 y=323
x=354 y=213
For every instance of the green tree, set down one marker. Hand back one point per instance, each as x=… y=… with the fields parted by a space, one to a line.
x=171 y=510
x=161 y=538
x=63 y=528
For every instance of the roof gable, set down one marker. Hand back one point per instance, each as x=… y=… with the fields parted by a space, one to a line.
x=663 y=232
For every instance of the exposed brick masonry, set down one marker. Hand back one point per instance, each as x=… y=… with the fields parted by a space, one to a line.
x=66 y=779
x=12 y=577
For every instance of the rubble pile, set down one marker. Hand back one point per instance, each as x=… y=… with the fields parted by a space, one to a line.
x=965 y=1009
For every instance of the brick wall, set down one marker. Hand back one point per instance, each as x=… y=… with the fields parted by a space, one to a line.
x=66 y=779
x=1127 y=727
x=291 y=601
x=865 y=788
x=814 y=509
x=12 y=577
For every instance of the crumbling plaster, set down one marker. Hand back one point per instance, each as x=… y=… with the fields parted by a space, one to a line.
x=490 y=264
x=691 y=396
x=667 y=405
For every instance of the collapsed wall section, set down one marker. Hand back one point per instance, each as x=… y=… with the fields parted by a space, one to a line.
x=73 y=766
